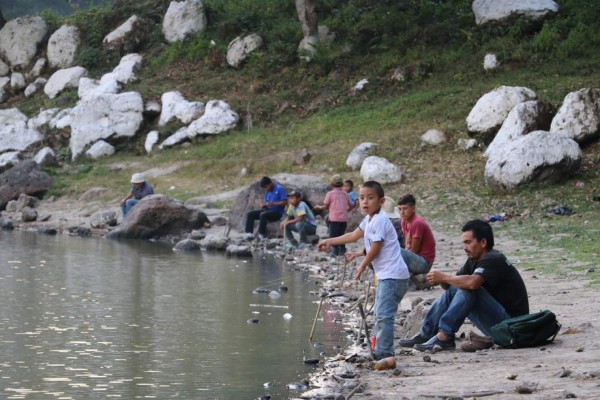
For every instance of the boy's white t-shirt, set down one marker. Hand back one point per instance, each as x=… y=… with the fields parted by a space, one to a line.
x=389 y=263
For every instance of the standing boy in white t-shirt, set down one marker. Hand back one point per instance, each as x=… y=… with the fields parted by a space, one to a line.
x=381 y=249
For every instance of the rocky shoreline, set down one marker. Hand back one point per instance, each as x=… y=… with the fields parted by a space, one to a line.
x=569 y=368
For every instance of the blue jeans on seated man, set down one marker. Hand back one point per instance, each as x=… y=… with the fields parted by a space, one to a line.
x=448 y=313
x=303 y=228
x=128 y=206
x=387 y=298
x=415 y=263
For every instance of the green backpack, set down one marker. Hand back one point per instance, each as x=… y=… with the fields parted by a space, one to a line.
x=526 y=330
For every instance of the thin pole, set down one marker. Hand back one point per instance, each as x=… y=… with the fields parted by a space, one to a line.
x=362 y=314
x=312 y=331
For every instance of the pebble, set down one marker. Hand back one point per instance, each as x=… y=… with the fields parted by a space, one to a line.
x=511 y=376
x=564 y=373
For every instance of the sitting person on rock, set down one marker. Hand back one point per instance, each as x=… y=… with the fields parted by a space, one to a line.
x=139 y=189
x=299 y=219
x=487 y=290
x=419 y=243
x=272 y=209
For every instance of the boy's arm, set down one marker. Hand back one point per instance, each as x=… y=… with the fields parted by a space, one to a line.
x=347 y=238
x=371 y=255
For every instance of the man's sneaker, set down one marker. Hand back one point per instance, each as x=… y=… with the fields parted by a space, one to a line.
x=477 y=342
x=380 y=356
x=249 y=237
x=417 y=339
x=435 y=344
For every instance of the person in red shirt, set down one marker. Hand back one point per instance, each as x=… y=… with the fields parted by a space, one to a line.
x=419 y=251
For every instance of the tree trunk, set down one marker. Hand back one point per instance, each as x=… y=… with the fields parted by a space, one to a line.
x=308 y=17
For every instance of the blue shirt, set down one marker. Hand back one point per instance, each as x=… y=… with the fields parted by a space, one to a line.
x=353 y=197
x=274 y=195
x=142 y=192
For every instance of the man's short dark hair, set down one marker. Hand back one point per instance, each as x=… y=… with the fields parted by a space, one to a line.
x=376 y=186
x=481 y=230
x=349 y=182
x=265 y=181
x=407 y=199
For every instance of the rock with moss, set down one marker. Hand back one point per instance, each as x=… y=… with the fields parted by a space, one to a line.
x=218 y=118
x=182 y=19
x=241 y=47
x=129 y=36
x=20 y=39
x=579 y=116
x=494 y=11
x=62 y=46
x=63 y=79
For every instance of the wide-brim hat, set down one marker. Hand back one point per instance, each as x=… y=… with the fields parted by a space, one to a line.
x=137 y=178
x=336 y=179
x=389 y=208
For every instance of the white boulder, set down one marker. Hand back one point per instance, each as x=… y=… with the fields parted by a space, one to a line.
x=128 y=36
x=492 y=108
x=180 y=136
x=175 y=106
x=14 y=133
x=43 y=118
x=125 y=72
x=358 y=155
x=103 y=117
x=151 y=140
x=380 y=169
x=9 y=159
x=4 y=69
x=91 y=87
x=490 y=62
x=17 y=81
x=525 y=117
x=62 y=47
x=45 y=156
x=433 y=137
x=61 y=120
x=539 y=156
x=579 y=116
x=218 y=118
x=4 y=88
x=64 y=79
x=241 y=47
x=487 y=11
x=466 y=144
x=100 y=149
x=20 y=38
x=182 y=19
x=37 y=69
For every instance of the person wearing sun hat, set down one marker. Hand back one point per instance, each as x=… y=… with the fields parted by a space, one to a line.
x=139 y=189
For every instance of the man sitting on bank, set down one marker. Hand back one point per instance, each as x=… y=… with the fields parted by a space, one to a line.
x=419 y=244
x=487 y=290
x=272 y=209
x=139 y=189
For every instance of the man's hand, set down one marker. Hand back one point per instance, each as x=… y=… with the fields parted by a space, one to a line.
x=435 y=277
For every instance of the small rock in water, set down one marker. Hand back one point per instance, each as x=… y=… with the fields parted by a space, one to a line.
x=253 y=321
x=268 y=385
x=274 y=294
x=302 y=385
x=287 y=316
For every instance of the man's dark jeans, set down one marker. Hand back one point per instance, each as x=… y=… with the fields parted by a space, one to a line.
x=263 y=216
x=337 y=229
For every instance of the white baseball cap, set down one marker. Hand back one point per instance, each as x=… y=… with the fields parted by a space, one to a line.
x=137 y=178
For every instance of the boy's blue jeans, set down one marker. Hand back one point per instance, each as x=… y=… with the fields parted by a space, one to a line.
x=389 y=294
x=448 y=313
x=129 y=203
x=303 y=228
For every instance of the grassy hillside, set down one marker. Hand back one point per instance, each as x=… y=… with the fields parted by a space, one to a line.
x=287 y=104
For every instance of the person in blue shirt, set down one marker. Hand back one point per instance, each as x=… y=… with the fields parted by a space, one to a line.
x=139 y=189
x=272 y=209
x=348 y=188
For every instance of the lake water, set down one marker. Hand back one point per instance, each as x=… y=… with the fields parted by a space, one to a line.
x=85 y=318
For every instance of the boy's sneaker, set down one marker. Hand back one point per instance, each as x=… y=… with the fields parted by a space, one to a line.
x=435 y=344
x=249 y=237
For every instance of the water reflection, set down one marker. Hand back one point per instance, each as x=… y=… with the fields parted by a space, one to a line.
x=93 y=318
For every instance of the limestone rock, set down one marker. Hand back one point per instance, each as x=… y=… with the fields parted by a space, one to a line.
x=62 y=119
x=20 y=39
x=4 y=88
x=491 y=109
x=88 y=87
x=17 y=81
x=152 y=109
x=183 y=18
x=178 y=137
x=490 y=62
x=525 y=117
x=487 y=11
x=537 y=157
x=241 y=47
x=151 y=140
x=28 y=214
x=433 y=137
x=379 y=169
x=62 y=47
x=43 y=118
x=46 y=157
x=25 y=177
x=233 y=250
x=213 y=242
x=64 y=79
x=174 y=105
x=187 y=245
x=218 y=118
x=14 y=133
x=37 y=69
x=100 y=149
x=102 y=117
x=466 y=144
x=125 y=72
x=9 y=159
x=358 y=155
x=4 y=69
x=158 y=216
x=33 y=87
x=128 y=36
x=578 y=117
